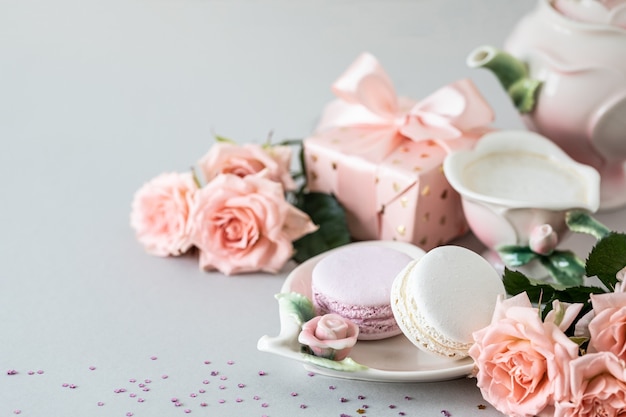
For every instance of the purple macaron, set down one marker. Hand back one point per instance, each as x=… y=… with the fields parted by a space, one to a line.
x=355 y=282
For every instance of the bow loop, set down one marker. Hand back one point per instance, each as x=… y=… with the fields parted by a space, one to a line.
x=366 y=83
x=447 y=113
x=367 y=103
x=460 y=103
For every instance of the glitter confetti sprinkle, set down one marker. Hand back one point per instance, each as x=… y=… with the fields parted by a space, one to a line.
x=157 y=383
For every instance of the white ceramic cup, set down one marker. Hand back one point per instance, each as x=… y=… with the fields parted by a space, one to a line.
x=514 y=181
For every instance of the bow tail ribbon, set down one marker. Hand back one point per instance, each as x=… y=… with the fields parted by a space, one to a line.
x=447 y=113
x=368 y=107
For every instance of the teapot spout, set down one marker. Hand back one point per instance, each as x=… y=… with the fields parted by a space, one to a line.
x=512 y=74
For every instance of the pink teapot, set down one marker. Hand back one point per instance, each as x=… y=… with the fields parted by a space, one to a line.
x=564 y=67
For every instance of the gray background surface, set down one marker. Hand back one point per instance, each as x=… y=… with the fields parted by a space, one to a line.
x=97 y=97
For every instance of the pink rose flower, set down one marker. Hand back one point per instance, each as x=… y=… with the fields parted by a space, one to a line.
x=598 y=387
x=159 y=213
x=329 y=336
x=521 y=360
x=249 y=159
x=244 y=224
x=607 y=329
x=543 y=239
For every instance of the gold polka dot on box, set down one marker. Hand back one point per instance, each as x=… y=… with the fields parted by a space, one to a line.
x=404 y=196
x=381 y=155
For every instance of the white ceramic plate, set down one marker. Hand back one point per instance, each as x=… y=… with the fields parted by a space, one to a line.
x=394 y=359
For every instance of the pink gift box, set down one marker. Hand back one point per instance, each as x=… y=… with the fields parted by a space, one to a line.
x=381 y=156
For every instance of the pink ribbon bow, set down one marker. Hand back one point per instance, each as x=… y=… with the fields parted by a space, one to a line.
x=368 y=102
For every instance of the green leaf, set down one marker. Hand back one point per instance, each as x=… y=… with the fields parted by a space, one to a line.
x=578 y=294
x=296 y=305
x=579 y=340
x=607 y=258
x=542 y=293
x=513 y=255
x=224 y=139
x=329 y=215
x=346 y=365
x=196 y=179
x=290 y=142
x=565 y=267
x=580 y=221
x=516 y=282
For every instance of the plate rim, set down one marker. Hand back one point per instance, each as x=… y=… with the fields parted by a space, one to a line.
x=289 y=329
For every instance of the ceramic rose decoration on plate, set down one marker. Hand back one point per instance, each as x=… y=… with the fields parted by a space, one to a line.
x=238 y=214
x=329 y=336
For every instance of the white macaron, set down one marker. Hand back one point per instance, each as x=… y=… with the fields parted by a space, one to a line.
x=440 y=299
